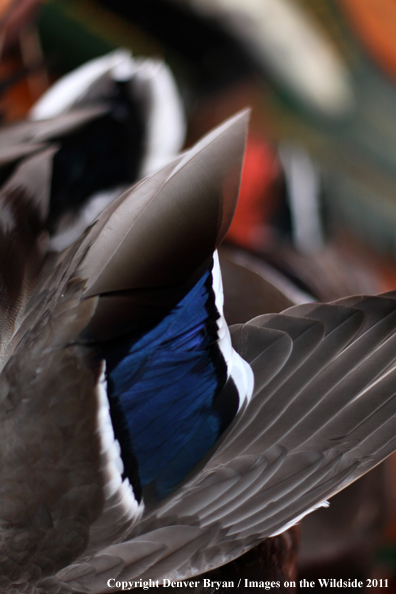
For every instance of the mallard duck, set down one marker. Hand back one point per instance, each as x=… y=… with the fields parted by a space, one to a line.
x=140 y=437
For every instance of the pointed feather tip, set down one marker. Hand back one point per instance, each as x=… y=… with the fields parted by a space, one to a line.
x=237 y=126
x=243 y=116
x=201 y=186
x=239 y=120
x=230 y=137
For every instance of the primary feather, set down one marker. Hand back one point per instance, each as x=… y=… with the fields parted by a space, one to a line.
x=138 y=441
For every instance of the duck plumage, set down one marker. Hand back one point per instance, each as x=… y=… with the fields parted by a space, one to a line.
x=140 y=437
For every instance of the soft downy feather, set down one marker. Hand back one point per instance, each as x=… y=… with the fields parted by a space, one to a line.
x=321 y=413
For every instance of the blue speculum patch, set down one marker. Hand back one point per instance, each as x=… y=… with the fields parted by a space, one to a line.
x=163 y=387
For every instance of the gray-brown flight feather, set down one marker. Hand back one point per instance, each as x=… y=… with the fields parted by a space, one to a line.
x=328 y=387
x=48 y=386
x=177 y=206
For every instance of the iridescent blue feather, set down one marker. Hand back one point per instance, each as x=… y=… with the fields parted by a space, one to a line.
x=163 y=386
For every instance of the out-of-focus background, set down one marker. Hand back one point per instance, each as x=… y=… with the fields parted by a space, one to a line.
x=317 y=210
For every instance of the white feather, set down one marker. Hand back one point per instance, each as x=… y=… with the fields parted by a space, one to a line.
x=113 y=466
x=72 y=87
x=237 y=368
